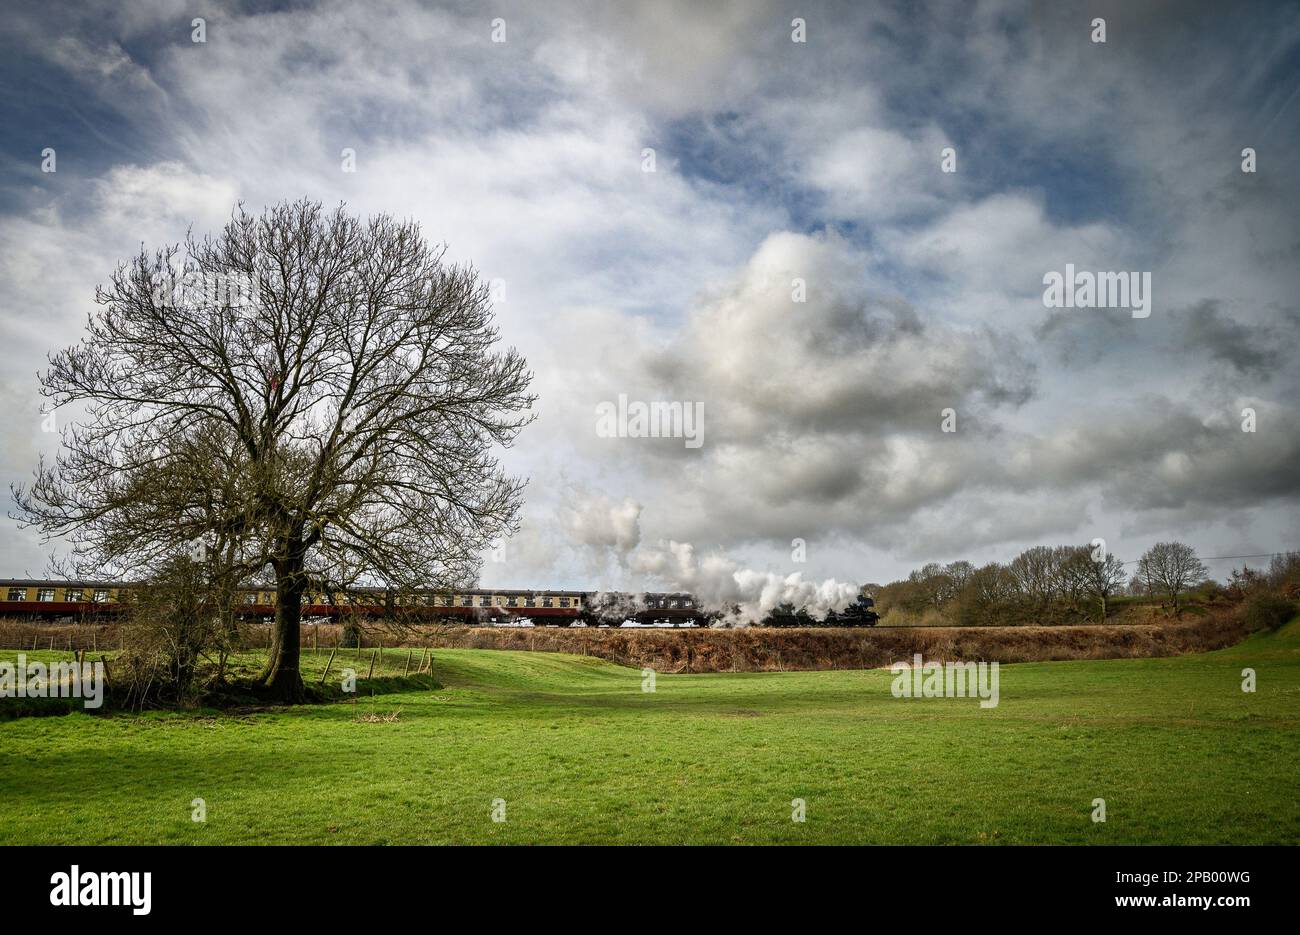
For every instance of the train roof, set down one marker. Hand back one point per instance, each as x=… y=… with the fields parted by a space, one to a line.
x=369 y=589
x=365 y=589
x=60 y=583
x=67 y=583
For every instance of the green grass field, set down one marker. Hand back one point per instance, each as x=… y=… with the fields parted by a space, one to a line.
x=581 y=754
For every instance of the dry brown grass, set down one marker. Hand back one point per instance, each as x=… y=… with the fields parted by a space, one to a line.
x=24 y=634
x=373 y=718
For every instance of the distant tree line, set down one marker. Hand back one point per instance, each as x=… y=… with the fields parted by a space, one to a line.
x=1059 y=585
x=1047 y=584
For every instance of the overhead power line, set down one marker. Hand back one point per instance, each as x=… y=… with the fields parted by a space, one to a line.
x=1221 y=558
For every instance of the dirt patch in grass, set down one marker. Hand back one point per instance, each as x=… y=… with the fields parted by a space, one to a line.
x=375 y=717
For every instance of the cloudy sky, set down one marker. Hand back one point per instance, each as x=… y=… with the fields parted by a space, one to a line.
x=774 y=161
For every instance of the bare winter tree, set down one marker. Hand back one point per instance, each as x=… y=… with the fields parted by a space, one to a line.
x=314 y=397
x=1171 y=568
x=1071 y=572
x=959 y=574
x=988 y=595
x=1104 y=578
x=1035 y=572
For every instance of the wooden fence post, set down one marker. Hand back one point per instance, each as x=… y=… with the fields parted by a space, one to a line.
x=325 y=674
x=407 y=667
x=373 y=654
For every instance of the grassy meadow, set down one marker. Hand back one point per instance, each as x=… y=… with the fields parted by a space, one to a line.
x=580 y=754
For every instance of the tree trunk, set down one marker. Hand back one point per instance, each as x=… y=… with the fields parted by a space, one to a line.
x=281 y=675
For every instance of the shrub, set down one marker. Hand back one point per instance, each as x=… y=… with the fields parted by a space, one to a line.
x=1284 y=572
x=352 y=635
x=1267 y=611
x=177 y=619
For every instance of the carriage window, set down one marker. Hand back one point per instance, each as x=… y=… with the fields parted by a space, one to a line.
x=530 y=602
x=250 y=598
x=45 y=594
x=448 y=600
x=17 y=594
x=101 y=595
x=564 y=602
x=467 y=601
x=512 y=602
x=485 y=601
x=546 y=602
x=73 y=596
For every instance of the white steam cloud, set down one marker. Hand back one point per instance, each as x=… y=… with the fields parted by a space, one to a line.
x=597 y=522
x=742 y=595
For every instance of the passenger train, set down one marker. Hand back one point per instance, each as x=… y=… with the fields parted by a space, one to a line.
x=52 y=600
x=105 y=600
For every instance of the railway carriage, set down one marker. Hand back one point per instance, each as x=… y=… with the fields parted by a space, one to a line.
x=51 y=600
x=48 y=600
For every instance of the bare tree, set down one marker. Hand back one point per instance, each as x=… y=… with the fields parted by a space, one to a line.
x=1071 y=572
x=988 y=595
x=959 y=573
x=1035 y=573
x=314 y=396
x=1171 y=568
x=932 y=586
x=1104 y=577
